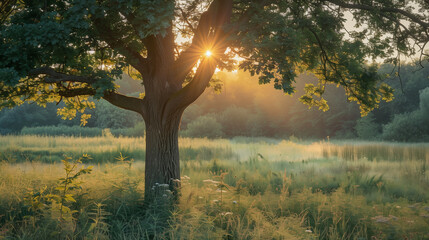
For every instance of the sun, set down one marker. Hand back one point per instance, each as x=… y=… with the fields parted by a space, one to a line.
x=208 y=53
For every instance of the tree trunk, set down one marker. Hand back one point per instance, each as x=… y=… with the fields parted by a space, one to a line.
x=162 y=164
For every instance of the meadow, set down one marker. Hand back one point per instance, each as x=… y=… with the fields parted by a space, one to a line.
x=242 y=188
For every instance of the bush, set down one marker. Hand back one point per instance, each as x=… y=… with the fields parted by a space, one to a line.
x=136 y=131
x=108 y=116
x=204 y=126
x=60 y=130
x=424 y=102
x=410 y=126
x=191 y=113
x=366 y=128
x=234 y=121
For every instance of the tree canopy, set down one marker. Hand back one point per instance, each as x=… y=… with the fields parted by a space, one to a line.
x=68 y=50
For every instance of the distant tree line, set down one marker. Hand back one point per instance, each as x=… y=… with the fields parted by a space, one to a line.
x=245 y=109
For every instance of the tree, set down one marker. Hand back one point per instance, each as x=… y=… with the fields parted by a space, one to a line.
x=67 y=50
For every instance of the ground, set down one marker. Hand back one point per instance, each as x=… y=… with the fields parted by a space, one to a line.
x=244 y=188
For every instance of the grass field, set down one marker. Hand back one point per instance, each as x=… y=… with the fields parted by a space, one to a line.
x=231 y=189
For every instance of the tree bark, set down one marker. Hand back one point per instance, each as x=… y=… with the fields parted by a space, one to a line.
x=162 y=157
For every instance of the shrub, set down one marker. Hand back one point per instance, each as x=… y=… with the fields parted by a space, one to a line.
x=234 y=121
x=366 y=128
x=410 y=126
x=204 y=126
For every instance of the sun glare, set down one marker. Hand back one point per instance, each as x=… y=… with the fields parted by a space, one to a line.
x=208 y=53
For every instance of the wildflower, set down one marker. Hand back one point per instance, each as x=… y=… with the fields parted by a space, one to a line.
x=308 y=231
x=219 y=190
x=175 y=180
x=163 y=185
x=168 y=191
x=211 y=181
x=185 y=177
x=225 y=213
x=215 y=201
x=234 y=202
x=164 y=195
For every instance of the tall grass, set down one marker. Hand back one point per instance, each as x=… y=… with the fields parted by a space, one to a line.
x=231 y=189
x=77 y=131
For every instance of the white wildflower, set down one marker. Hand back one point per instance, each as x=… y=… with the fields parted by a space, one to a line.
x=226 y=213
x=211 y=181
x=219 y=190
x=308 y=231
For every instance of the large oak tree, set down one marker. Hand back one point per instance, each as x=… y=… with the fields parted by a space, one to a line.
x=68 y=50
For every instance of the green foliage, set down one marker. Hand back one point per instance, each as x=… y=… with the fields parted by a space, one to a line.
x=99 y=228
x=108 y=116
x=59 y=199
x=366 y=128
x=204 y=126
x=410 y=126
x=234 y=121
x=276 y=40
x=67 y=185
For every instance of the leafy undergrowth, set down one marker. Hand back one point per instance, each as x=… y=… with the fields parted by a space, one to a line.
x=255 y=198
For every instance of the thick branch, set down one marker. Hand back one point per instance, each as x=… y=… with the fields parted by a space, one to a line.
x=126 y=102
x=134 y=58
x=411 y=16
x=194 y=89
x=208 y=34
x=117 y=99
x=76 y=92
x=56 y=77
x=6 y=9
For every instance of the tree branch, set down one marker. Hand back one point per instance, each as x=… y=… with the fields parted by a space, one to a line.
x=194 y=89
x=56 y=77
x=84 y=91
x=117 y=99
x=126 y=102
x=209 y=33
x=136 y=60
x=413 y=17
